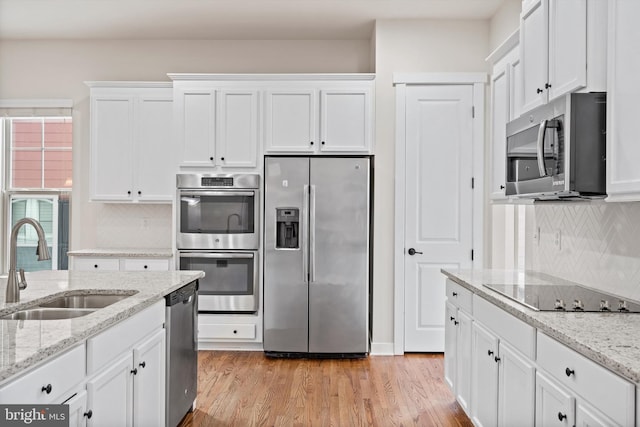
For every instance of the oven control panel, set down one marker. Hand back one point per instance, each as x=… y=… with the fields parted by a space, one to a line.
x=216 y=181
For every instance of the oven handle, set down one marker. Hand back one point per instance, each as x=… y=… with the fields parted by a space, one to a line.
x=305 y=232
x=542 y=169
x=215 y=255
x=216 y=193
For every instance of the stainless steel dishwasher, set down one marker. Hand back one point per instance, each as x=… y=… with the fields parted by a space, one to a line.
x=182 y=355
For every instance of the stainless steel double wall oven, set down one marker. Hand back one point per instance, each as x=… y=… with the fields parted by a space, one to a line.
x=217 y=226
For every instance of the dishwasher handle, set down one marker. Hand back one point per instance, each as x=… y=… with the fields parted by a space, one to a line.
x=183 y=295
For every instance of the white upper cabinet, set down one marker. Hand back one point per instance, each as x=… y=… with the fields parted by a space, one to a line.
x=623 y=111
x=237 y=128
x=562 y=49
x=319 y=117
x=194 y=114
x=505 y=99
x=131 y=142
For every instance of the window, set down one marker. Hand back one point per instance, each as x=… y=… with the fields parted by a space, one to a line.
x=37 y=183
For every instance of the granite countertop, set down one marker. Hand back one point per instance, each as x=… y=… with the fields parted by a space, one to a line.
x=609 y=339
x=26 y=343
x=124 y=252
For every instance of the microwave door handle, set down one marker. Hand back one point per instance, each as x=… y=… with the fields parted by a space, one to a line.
x=540 y=148
x=305 y=233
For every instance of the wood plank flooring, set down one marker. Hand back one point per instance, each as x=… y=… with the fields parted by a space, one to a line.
x=249 y=389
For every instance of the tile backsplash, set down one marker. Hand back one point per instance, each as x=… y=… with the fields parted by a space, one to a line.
x=133 y=226
x=593 y=243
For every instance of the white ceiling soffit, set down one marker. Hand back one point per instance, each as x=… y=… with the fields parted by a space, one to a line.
x=221 y=19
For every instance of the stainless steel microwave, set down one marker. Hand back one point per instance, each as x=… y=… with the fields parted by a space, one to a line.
x=558 y=150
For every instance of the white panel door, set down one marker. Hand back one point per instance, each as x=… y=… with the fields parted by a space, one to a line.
x=516 y=389
x=149 y=381
x=534 y=54
x=156 y=164
x=110 y=395
x=291 y=121
x=195 y=122
x=237 y=126
x=554 y=405
x=438 y=205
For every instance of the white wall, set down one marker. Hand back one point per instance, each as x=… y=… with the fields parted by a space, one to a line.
x=504 y=22
x=57 y=69
x=409 y=46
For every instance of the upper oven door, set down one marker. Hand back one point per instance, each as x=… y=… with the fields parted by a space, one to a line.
x=218 y=219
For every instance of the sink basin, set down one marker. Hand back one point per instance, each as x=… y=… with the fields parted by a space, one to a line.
x=84 y=301
x=47 y=314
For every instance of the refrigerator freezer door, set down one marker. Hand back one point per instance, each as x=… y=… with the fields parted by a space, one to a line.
x=286 y=297
x=339 y=255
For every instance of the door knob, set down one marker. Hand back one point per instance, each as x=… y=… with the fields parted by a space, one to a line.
x=413 y=252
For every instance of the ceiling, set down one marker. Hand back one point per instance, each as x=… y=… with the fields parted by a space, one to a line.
x=221 y=19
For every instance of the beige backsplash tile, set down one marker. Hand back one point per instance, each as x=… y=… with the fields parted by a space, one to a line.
x=133 y=226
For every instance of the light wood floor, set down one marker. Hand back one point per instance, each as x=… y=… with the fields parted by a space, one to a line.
x=249 y=389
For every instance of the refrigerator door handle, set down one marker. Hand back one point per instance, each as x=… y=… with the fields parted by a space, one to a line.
x=312 y=234
x=305 y=233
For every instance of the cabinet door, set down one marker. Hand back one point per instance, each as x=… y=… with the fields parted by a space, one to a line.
x=237 y=126
x=516 y=389
x=499 y=118
x=554 y=405
x=463 y=361
x=110 y=395
x=112 y=122
x=149 y=381
x=345 y=120
x=291 y=118
x=145 y=264
x=484 y=377
x=450 y=344
x=95 y=264
x=515 y=86
x=623 y=110
x=588 y=416
x=534 y=54
x=78 y=414
x=567 y=46
x=155 y=156
x=194 y=115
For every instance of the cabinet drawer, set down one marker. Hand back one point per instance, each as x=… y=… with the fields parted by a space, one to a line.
x=96 y=264
x=608 y=392
x=245 y=331
x=61 y=373
x=513 y=330
x=145 y=264
x=107 y=345
x=459 y=296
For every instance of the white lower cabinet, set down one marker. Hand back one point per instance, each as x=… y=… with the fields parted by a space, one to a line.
x=484 y=380
x=84 y=263
x=149 y=381
x=110 y=394
x=78 y=414
x=554 y=405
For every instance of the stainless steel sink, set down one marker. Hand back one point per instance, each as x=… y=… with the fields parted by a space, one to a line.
x=47 y=314
x=84 y=301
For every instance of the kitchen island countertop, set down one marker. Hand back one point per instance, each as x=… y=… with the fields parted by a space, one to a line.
x=26 y=343
x=610 y=339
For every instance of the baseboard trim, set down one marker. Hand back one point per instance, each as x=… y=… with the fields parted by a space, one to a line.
x=382 y=349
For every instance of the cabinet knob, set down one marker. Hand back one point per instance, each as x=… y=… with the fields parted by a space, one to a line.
x=455 y=294
x=502 y=187
x=497 y=359
x=539 y=90
x=88 y=414
x=322 y=143
x=211 y=158
x=452 y=318
x=235 y=331
x=222 y=159
x=146 y=266
x=547 y=85
x=311 y=143
x=143 y=364
x=569 y=372
x=489 y=353
x=129 y=192
x=455 y=322
x=47 y=388
x=95 y=265
x=139 y=192
x=562 y=416
x=134 y=371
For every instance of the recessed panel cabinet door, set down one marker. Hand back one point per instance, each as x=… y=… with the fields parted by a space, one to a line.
x=110 y=395
x=291 y=121
x=195 y=124
x=237 y=127
x=534 y=54
x=516 y=395
x=484 y=381
x=345 y=120
x=450 y=344
x=554 y=405
x=112 y=118
x=149 y=381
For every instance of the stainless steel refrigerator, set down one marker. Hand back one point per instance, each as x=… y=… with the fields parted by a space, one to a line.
x=317 y=256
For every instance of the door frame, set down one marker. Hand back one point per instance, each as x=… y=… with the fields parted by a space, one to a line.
x=401 y=81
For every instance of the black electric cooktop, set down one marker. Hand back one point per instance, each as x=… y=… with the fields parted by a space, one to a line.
x=565 y=298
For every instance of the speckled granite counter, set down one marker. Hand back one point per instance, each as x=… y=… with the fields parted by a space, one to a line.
x=26 y=343
x=123 y=253
x=610 y=339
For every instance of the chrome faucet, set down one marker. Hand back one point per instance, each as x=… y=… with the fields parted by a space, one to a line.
x=14 y=283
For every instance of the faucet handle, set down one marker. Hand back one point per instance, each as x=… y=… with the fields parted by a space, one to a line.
x=22 y=282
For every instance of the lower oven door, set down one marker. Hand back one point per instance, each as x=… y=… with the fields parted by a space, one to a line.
x=231 y=280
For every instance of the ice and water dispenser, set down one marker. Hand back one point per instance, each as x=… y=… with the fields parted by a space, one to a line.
x=288 y=227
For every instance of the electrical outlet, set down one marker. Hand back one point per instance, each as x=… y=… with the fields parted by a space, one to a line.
x=536 y=236
x=145 y=222
x=557 y=239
